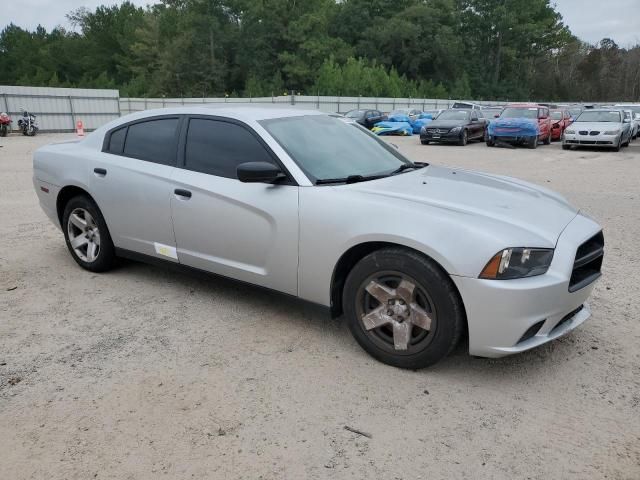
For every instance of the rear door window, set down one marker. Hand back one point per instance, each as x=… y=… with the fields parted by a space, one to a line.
x=153 y=140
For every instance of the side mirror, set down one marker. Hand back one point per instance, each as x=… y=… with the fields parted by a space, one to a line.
x=259 y=172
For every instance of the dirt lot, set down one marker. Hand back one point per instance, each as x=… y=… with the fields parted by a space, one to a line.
x=145 y=371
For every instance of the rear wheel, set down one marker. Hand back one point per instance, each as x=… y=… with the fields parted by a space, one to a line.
x=402 y=308
x=87 y=236
x=547 y=141
x=3 y=131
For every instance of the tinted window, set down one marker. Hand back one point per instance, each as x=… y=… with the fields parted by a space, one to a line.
x=116 y=141
x=154 y=141
x=217 y=148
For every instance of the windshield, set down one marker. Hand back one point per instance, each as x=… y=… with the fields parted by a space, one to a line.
x=520 y=112
x=400 y=112
x=327 y=147
x=556 y=115
x=575 y=112
x=454 y=115
x=354 y=114
x=600 y=116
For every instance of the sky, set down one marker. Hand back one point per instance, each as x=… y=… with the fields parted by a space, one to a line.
x=590 y=20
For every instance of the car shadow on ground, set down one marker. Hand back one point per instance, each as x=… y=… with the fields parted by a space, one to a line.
x=296 y=313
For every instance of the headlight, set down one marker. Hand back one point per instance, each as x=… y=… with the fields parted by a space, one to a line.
x=570 y=132
x=518 y=263
x=613 y=132
x=455 y=130
x=423 y=129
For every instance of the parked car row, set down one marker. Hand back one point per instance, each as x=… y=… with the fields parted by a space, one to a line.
x=525 y=124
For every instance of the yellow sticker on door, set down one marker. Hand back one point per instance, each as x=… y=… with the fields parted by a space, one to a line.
x=166 y=250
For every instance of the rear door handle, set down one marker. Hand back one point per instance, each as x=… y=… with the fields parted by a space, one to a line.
x=100 y=171
x=182 y=193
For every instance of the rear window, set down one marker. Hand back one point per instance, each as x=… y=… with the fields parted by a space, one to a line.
x=154 y=141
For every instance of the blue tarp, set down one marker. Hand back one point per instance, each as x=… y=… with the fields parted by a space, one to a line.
x=399 y=117
x=393 y=128
x=421 y=122
x=513 y=127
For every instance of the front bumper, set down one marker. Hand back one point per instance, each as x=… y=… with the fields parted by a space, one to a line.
x=440 y=137
x=500 y=312
x=604 y=141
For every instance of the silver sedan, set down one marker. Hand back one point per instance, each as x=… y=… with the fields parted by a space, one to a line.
x=608 y=128
x=413 y=255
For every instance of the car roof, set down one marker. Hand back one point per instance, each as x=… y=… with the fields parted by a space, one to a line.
x=230 y=110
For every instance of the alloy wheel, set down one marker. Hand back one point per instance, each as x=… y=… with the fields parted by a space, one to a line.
x=396 y=312
x=84 y=235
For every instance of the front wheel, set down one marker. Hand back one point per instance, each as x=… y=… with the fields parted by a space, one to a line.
x=424 y=142
x=464 y=138
x=566 y=147
x=87 y=236
x=490 y=141
x=402 y=308
x=547 y=141
x=31 y=131
x=533 y=142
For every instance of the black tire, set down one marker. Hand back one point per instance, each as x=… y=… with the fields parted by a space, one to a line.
x=464 y=138
x=4 y=131
x=105 y=258
x=566 y=147
x=490 y=142
x=424 y=142
x=533 y=142
x=547 y=141
x=434 y=292
x=617 y=148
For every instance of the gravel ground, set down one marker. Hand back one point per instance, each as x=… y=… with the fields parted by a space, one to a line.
x=145 y=371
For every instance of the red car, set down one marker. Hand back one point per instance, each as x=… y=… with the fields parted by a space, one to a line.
x=560 y=120
x=516 y=125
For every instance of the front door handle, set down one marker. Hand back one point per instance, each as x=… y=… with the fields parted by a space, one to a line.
x=101 y=172
x=182 y=193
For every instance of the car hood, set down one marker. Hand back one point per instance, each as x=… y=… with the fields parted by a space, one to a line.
x=520 y=204
x=447 y=123
x=598 y=126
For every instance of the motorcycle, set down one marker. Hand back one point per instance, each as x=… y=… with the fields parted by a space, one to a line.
x=5 y=124
x=28 y=124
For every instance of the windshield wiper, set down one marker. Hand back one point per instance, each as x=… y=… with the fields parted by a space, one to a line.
x=365 y=178
x=407 y=166
x=349 y=179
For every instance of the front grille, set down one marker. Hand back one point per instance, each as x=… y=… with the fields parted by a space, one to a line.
x=588 y=263
x=593 y=133
x=583 y=132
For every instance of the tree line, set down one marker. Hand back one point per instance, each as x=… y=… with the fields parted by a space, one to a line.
x=483 y=49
